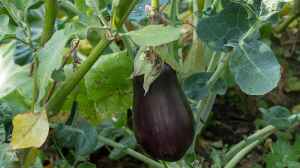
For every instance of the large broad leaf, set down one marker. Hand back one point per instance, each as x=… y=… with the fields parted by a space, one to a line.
x=50 y=58
x=108 y=82
x=225 y=28
x=12 y=76
x=154 y=35
x=86 y=106
x=255 y=68
x=29 y=130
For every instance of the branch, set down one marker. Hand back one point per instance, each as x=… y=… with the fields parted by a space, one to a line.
x=260 y=134
x=57 y=100
x=49 y=24
x=131 y=152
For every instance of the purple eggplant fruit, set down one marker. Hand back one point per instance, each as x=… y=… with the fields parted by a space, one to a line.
x=163 y=120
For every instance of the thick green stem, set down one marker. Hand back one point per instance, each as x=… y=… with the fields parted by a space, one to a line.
x=57 y=100
x=280 y=28
x=131 y=152
x=155 y=5
x=241 y=154
x=265 y=132
x=49 y=23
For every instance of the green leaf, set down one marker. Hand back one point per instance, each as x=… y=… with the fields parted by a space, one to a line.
x=86 y=106
x=154 y=35
x=12 y=76
x=5 y=27
x=225 y=28
x=277 y=116
x=195 y=86
x=280 y=117
x=50 y=58
x=255 y=68
x=86 y=165
x=81 y=5
x=82 y=137
x=128 y=141
x=283 y=155
x=108 y=82
x=58 y=75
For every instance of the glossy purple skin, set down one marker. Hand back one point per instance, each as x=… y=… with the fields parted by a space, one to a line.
x=163 y=120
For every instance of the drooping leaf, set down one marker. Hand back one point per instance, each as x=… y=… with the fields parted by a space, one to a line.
x=154 y=35
x=29 y=130
x=143 y=66
x=108 y=82
x=255 y=68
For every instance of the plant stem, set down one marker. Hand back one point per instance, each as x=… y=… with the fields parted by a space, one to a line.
x=155 y=5
x=265 y=132
x=131 y=152
x=281 y=27
x=204 y=106
x=49 y=23
x=68 y=6
x=239 y=156
x=57 y=100
x=35 y=83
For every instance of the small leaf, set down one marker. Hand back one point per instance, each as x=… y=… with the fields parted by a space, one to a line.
x=255 y=68
x=277 y=116
x=195 y=86
x=154 y=35
x=29 y=130
x=58 y=75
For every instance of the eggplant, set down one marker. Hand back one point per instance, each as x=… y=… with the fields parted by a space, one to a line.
x=162 y=118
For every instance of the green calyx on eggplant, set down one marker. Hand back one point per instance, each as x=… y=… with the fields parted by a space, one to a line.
x=162 y=118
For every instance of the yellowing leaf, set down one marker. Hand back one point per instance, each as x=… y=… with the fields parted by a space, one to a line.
x=29 y=130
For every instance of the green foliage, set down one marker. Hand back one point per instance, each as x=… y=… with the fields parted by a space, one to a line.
x=81 y=137
x=255 y=68
x=280 y=117
x=154 y=35
x=283 y=154
x=108 y=83
x=252 y=63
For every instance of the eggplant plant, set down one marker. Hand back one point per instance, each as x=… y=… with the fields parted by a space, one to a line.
x=80 y=78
